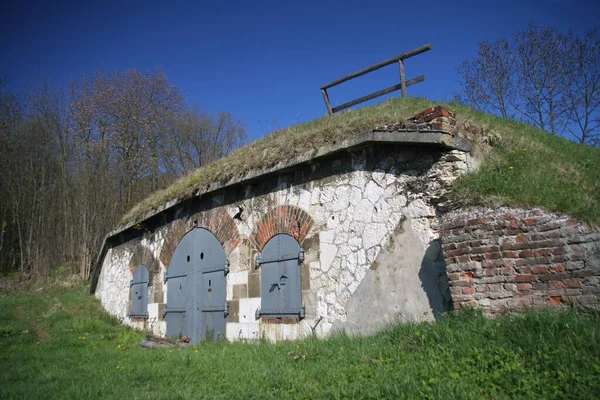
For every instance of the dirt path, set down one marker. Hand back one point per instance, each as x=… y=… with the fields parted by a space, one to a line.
x=22 y=315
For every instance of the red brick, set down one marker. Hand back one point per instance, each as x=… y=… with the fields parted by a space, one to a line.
x=573 y=283
x=463 y=259
x=461 y=283
x=525 y=270
x=526 y=253
x=515 y=246
x=524 y=278
x=468 y=290
x=556 y=285
x=582 y=273
x=493 y=255
x=523 y=286
x=492 y=264
x=541 y=253
x=539 y=270
x=549 y=226
x=522 y=239
x=520 y=302
x=553 y=277
x=546 y=243
x=557 y=268
x=467 y=276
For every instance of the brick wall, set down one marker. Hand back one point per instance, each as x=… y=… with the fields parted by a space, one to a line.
x=510 y=260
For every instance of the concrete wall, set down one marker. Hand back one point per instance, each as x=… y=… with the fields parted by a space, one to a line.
x=367 y=220
x=512 y=259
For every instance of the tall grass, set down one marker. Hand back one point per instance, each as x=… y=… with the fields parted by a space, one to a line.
x=87 y=354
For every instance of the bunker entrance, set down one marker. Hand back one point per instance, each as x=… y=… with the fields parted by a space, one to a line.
x=196 y=288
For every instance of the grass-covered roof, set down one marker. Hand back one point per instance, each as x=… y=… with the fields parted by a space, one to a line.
x=521 y=165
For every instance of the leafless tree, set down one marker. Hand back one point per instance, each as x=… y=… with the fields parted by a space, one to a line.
x=544 y=77
x=488 y=81
x=197 y=138
x=74 y=161
x=583 y=93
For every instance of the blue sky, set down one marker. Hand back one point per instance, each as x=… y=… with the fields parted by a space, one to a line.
x=265 y=61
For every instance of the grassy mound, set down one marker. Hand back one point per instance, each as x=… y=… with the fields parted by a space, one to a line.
x=525 y=166
x=280 y=146
x=57 y=343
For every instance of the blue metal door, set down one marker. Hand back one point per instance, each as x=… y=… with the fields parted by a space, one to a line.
x=139 y=292
x=211 y=277
x=196 y=292
x=177 y=288
x=280 y=278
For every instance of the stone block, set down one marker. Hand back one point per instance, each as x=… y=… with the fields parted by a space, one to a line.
x=234 y=331
x=234 y=311
x=305 y=275
x=254 y=283
x=248 y=309
x=240 y=291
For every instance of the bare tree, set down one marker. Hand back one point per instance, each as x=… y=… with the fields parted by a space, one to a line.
x=75 y=161
x=542 y=62
x=197 y=138
x=544 y=77
x=583 y=93
x=488 y=81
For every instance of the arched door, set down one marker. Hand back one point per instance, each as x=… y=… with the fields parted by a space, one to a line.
x=280 y=278
x=139 y=292
x=196 y=288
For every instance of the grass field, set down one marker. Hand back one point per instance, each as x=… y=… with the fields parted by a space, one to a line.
x=55 y=342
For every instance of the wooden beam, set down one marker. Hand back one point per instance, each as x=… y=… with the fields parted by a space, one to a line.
x=382 y=64
x=402 y=78
x=379 y=93
x=327 y=102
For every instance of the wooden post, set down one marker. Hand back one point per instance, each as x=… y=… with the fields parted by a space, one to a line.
x=402 y=86
x=402 y=78
x=327 y=103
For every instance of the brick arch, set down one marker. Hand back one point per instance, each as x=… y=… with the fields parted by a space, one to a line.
x=218 y=221
x=282 y=219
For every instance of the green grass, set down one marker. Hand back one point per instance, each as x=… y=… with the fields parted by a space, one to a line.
x=527 y=167
x=83 y=353
x=547 y=171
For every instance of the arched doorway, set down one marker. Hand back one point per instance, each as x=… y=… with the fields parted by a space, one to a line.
x=196 y=288
x=280 y=278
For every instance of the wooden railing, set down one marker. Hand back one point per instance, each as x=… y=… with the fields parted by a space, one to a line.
x=402 y=86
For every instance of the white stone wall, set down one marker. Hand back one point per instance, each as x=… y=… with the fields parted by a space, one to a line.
x=354 y=213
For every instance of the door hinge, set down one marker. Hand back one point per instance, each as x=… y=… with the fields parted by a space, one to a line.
x=226 y=268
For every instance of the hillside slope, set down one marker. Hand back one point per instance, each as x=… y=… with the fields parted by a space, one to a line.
x=521 y=165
